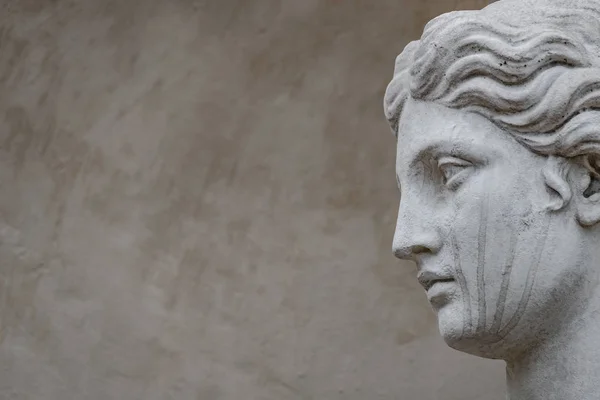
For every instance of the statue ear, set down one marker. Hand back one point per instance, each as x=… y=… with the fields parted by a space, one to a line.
x=588 y=191
x=555 y=176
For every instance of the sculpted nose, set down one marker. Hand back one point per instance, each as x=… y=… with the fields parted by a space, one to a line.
x=415 y=235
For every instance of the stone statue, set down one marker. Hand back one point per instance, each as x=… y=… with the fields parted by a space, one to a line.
x=497 y=118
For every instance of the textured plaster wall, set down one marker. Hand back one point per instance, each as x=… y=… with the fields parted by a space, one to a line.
x=198 y=200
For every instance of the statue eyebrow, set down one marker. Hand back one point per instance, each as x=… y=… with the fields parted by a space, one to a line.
x=430 y=148
x=426 y=150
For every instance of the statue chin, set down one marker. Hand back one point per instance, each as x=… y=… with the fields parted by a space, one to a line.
x=456 y=332
x=475 y=344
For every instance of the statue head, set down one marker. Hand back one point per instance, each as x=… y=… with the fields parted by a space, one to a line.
x=497 y=119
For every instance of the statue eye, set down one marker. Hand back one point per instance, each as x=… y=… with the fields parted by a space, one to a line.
x=452 y=170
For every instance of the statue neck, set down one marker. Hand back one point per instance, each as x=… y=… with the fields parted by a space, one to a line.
x=565 y=367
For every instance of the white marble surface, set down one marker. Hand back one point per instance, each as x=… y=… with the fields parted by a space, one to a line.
x=496 y=116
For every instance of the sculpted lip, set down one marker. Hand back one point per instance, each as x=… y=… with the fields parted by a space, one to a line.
x=428 y=278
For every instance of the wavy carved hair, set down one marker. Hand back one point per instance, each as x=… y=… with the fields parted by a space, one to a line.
x=530 y=66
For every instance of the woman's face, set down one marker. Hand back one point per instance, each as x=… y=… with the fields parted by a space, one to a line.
x=473 y=214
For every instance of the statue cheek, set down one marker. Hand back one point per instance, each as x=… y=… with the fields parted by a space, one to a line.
x=491 y=251
x=512 y=261
x=468 y=243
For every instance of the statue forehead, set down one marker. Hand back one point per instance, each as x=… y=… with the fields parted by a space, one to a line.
x=423 y=121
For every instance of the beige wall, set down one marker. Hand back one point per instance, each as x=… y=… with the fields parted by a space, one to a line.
x=198 y=200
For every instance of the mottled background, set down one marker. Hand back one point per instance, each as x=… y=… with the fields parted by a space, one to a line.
x=198 y=201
